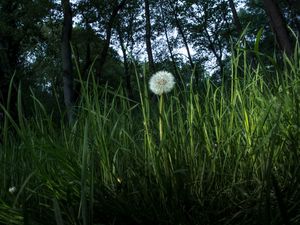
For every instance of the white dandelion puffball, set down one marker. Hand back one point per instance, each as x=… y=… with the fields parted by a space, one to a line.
x=161 y=82
x=12 y=190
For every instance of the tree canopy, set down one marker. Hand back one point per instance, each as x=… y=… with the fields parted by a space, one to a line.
x=111 y=39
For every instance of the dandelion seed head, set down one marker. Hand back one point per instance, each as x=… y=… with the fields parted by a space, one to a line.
x=161 y=82
x=12 y=190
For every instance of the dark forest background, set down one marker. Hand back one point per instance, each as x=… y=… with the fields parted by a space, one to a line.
x=112 y=39
x=83 y=140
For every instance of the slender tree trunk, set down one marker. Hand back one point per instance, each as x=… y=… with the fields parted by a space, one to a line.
x=279 y=26
x=185 y=42
x=88 y=59
x=84 y=69
x=168 y=42
x=109 y=28
x=148 y=38
x=68 y=78
x=184 y=39
x=236 y=19
x=216 y=53
x=126 y=64
x=251 y=60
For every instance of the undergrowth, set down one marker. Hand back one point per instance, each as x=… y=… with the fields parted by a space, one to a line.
x=225 y=154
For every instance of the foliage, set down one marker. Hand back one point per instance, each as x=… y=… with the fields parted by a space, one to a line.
x=224 y=155
x=221 y=148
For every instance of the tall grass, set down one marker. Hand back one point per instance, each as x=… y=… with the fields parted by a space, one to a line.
x=224 y=154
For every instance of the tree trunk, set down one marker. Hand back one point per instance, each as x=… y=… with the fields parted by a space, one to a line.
x=168 y=43
x=109 y=28
x=181 y=32
x=127 y=76
x=236 y=19
x=148 y=38
x=218 y=54
x=185 y=42
x=68 y=78
x=279 y=26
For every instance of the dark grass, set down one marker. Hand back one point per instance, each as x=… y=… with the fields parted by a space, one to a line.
x=225 y=154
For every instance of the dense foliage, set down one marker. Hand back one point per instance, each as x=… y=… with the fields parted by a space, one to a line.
x=83 y=140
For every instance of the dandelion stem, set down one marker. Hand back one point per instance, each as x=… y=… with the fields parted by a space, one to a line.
x=160 y=117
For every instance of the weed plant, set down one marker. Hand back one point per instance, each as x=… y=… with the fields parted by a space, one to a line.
x=219 y=154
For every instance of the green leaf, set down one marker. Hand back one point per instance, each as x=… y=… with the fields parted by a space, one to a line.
x=257 y=40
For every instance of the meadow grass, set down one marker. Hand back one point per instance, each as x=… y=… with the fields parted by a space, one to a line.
x=219 y=154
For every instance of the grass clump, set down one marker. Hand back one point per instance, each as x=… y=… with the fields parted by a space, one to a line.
x=224 y=154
